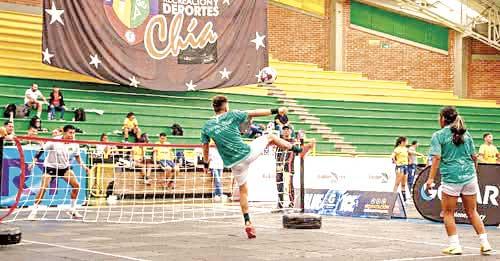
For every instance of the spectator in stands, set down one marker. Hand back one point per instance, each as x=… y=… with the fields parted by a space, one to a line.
x=130 y=125
x=216 y=167
x=140 y=160
x=285 y=166
x=164 y=156
x=412 y=163
x=255 y=130
x=57 y=132
x=104 y=150
x=56 y=103
x=7 y=131
x=31 y=99
x=400 y=158
x=36 y=122
x=488 y=152
x=33 y=132
x=281 y=120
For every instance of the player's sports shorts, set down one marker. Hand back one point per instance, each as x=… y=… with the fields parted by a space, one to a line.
x=56 y=173
x=469 y=189
x=257 y=147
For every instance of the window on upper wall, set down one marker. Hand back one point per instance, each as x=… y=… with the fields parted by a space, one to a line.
x=312 y=6
x=401 y=26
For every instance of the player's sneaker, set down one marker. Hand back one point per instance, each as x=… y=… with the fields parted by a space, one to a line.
x=74 y=214
x=250 y=230
x=453 y=250
x=486 y=250
x=306 y=148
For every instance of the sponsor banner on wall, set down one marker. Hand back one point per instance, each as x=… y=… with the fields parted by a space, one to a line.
x=58 y=192
x=428 y=202
x=343 y=173
x=158 y=44
x=354 y=203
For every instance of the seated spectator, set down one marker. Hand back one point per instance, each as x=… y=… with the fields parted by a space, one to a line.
x=130 y=125
x=166 y=159
x=140 y=160
x=103 y=150
x=56 y=103
x=36 y=123
x=281 y=120
x=488 y=152
x=33 y=132
x=31 y=99
x=256 y=130
x=7 y=131
x=57 y=132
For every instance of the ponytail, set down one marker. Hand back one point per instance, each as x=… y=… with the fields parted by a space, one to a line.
x=456 y=123
x=458 y=129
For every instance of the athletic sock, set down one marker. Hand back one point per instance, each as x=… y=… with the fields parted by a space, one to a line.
x=296 y=148
x=73 y=205
x=246 y=216
x=483 y=239
x=454 y=242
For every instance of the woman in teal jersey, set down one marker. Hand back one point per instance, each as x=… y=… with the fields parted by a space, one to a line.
x=453 y=152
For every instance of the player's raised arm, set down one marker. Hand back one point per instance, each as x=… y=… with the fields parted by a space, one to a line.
x=266 y=112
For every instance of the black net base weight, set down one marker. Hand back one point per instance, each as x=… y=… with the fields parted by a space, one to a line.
x=302 y=221
x=9 y=235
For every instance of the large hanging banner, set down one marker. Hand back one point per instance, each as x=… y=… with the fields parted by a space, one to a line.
x=174 y=45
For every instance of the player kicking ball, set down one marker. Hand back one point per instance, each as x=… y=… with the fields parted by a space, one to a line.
x=57 y=165
x=224 y=130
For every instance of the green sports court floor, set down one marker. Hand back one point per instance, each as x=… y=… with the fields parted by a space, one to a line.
x=340 y=238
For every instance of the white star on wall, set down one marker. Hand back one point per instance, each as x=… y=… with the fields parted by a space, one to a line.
x=95 y=61
x=226 y=2
x=55 y=14
x=47 y=56
x=225 y=73
x=134 y=82
x=258 y=41
x=191 y=86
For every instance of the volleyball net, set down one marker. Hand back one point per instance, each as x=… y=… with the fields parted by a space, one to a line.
x=132 y=182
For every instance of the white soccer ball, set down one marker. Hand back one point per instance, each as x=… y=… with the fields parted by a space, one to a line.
x=268 y=75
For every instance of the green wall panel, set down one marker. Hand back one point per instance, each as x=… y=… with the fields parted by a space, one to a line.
x=400 y=26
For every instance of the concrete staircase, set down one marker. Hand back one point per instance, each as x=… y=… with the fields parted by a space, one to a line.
x=326 y=132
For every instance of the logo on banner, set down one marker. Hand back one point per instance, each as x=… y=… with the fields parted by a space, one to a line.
x=129 y=17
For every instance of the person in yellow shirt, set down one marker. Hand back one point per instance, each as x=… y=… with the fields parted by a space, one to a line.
x=164 y=156
x=130 y=125
x=140 y=160
x=400 y=158
x=488 y=152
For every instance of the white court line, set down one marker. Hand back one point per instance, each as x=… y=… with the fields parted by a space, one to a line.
x=430 y=257
x=85 y=250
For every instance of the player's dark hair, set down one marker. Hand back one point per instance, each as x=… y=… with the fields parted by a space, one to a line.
x=6 y=123
x=130 y=114
x=163 y=134
x=486 y=135
x=400 y=140
x=218 y=102
x=415 y=142
x=68 y=127
x=456 y=123
x=103 y=135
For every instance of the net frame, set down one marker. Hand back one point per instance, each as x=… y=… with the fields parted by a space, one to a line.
x=171 y=208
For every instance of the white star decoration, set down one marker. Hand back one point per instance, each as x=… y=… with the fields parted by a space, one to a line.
x=95 y=61
x=225 y=73
x=47 y=56
x=226 y=2
x=134 y=82
x=258 y=41
x=55 y=14
x=191 y=86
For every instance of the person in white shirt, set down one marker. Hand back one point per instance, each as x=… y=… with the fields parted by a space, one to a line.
x=216 y=167
x=31 y=99
x=57 y=164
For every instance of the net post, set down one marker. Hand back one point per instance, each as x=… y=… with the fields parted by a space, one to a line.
x=302 y=179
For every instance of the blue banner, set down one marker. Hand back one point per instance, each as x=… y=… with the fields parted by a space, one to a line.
x=58 y=192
